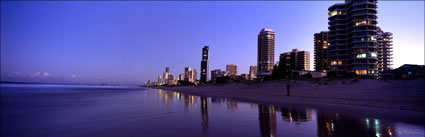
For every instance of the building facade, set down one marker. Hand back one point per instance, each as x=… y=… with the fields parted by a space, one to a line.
x=190 y=75
x=265 y=56
x=253 y=72
x=181 y=77
x=321 y=63
x=231 y=70
x=204 y=64
x=216 y=74
x=385 y=47
x=295 y=60
x=353 y=38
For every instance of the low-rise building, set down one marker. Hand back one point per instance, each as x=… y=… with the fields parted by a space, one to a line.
x=407 y=71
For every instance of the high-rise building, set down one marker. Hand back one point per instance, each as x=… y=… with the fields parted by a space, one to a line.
x=187 y=74
x=190 y=75
x=231 y=70
x=253 y=72
x=194 y=76
x=148 y=83
x=159 y=80
x=385 y=47
x=204 y=64
x=321 y=63
x=295 y=60
x=181 y=77
x=165 y=77
x=353 y=38
x=167 y=69
x=265 y=56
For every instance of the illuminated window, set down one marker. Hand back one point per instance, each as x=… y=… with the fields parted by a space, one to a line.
x=325 y=47
x=336 y=62
x=385 y=39
x=325 y=41
x=360 y=22
x=362 y=55
x=333 y=13
x=373 y=38
x=361 y=72
x=373 y=54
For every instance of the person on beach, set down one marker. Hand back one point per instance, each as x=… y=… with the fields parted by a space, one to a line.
x=288 y=87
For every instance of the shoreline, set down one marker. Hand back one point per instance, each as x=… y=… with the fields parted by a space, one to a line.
x=380 y=100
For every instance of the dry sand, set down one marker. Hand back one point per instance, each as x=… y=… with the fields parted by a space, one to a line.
x=391 y=99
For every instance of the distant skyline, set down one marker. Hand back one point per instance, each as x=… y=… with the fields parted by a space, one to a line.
x=131 y=42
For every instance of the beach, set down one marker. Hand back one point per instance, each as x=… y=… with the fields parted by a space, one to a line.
x=384 y=99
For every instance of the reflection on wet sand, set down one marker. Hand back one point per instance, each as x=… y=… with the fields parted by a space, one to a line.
x=267 y=119
x=328 y=124
x=296 y=115
x=336 y=125
x=204 y=113
x=232 y=105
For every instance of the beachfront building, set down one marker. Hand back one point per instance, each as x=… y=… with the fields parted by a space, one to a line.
x=190 y=75
x=295 y=60
x=204 y=64
x=265 y=56
x=252 y=72
x=167 y=78
x=148 y=83
x=231 y=70
x=165 y=75
x=385 y=47
x=321 y=44
x=159 y=82
x=407 y=71
x=216 y=74
x=181 y=77
x=353 y=38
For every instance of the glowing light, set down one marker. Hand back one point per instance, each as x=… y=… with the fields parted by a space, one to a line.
x=333 y=13
x=362 y=55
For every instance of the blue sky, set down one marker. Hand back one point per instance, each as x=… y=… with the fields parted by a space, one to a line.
x=130 y=42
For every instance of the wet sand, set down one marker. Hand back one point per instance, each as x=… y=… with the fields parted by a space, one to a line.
x=401 y=100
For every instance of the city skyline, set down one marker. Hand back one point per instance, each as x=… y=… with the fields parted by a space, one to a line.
x=32 y=61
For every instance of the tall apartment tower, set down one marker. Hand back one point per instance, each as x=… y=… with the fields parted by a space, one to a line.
x=321 y=63
x=265 y=56
x=353 y=38
x=385 y=47
x=188 y=74
x=204 y=64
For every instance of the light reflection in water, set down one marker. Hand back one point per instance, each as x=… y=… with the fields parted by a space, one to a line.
x=204 y=113
x=328 y=124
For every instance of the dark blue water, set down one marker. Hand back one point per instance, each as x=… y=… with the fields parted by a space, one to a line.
x=87 y=111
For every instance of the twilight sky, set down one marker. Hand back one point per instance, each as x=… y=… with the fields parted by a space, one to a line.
x=130 y=42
